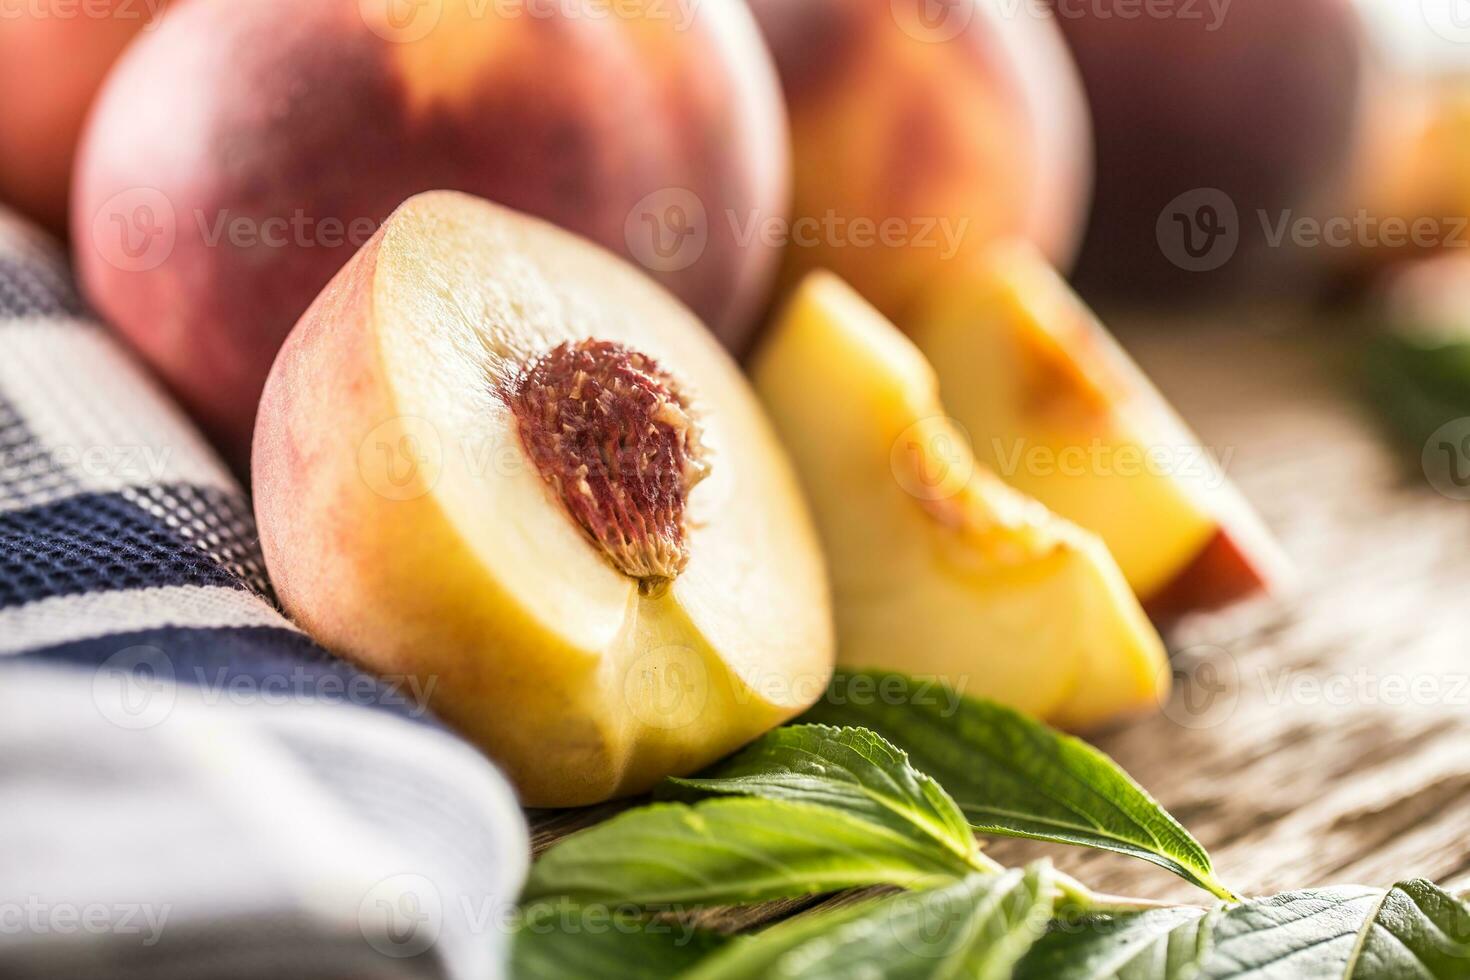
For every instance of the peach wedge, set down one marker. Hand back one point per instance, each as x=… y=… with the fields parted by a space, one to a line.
x=495 y=458
x=939 y=569
x=1052 y=403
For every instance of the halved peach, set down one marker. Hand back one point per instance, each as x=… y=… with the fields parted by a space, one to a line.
x=496 y=458
x=939 y=568
x=1054 y=404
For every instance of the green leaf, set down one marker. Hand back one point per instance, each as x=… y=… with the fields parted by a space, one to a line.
x=734 y=851
x=849 y=769
x=1418 y=382
x=977 y=928
x=1013 y=776
x=1167 y=944
x=1291 y=936
x=760 y=955
x=1419 y=931
x=558 y=940
x=1413 y=931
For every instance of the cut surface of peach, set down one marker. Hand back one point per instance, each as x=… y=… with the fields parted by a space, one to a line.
x=939 y=568
x=497 y=459
x=1059 y=410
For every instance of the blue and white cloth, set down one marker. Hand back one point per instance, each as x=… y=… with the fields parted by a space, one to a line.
x=189 y=787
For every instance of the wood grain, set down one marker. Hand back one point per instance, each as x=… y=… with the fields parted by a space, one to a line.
x=1322 y=738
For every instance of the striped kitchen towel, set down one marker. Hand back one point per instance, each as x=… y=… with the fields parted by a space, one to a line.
x=189 y=787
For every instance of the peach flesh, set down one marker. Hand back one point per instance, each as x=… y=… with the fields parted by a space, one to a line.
x=612 y=434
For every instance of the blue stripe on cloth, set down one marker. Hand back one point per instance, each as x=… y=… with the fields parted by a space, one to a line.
x=216 y=521
x=95 y=542
x=28 y=471
x=259 y=665
x=33 y=285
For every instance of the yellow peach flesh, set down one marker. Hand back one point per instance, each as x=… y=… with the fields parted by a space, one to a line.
x=939 y=568
x=1053 y=404
x=463 y=568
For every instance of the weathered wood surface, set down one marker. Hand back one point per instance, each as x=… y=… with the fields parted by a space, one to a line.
x=1324 y=738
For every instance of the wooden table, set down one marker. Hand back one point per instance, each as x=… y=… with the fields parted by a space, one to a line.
x=1324 y=738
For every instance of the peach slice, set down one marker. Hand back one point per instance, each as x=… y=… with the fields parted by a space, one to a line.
x=939 y=568
x=1064 y=415
x=496 y=458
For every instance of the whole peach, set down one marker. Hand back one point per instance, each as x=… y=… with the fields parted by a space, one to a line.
x=243 y=151
x=924 y=133
x=1216 y=121
x=53 y=57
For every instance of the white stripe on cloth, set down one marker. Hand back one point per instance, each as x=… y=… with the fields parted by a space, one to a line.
x=18 y=236
x=221 y=841
x=68 y=619
x=97 y=414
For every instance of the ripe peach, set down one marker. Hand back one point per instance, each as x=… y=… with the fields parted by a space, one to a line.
x=493 y=457
x=1413 y=180
x=930 y=139
x=243 y=151
x=53 y=57
x=1260 y=103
